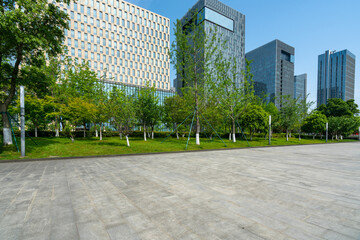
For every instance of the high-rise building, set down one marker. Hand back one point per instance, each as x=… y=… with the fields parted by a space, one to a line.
x=273 y=69
x=124 y=41
x=336 y=76
x=230 y=25
x=300 y=85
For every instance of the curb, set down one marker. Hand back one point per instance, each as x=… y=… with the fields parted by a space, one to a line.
x=159 y=153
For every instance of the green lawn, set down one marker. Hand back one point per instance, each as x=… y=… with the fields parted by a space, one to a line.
x=63 y=147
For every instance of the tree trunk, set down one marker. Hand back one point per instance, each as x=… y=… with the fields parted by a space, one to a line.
x=120 y=135
x=229 y=136
x=36 y=135
x=7 y=138
x=251 y=135
x=96 y=132
x=84 y=130
x=290 y=134
x=197 y=117
x=127 y=141
x=152 y=132
x=313 y=136
x=177 y=134
x=299 y=135
x=100 y=132
x=287 y=135
x=72 y=139
x=211 y=136
x=144 y=133
x=233 y=131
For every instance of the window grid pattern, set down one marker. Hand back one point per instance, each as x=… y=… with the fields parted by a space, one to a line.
x=130 y=43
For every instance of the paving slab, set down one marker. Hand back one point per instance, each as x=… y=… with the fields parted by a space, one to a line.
x=296 y=192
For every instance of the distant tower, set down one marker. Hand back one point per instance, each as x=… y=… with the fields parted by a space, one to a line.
x=230 y=25
x=273 y=69
x=336 y=76
x=300 y=84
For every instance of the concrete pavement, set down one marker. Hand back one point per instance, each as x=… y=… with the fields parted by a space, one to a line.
x=299 y=192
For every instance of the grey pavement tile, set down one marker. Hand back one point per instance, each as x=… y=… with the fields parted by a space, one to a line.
x=122 y=232
x=61 y=231
x=298 y=192
x=92 y=230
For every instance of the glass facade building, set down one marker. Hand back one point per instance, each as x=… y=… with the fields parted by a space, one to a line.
x=230 y=25
x=336 y=76
x=272 y=67
x=300 y=85
x=124 y=41
x=132 y=90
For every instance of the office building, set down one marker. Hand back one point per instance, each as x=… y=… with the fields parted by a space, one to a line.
x=336 y=76
x=123 y=41
x=230 y=25
x=300 y=85
x=273 y=69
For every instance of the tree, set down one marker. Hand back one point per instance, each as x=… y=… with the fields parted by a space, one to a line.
x=272 y=110
x=192 y=55
x=343 y=126
x=214 y=118
x=156 y=115
x=122 y=112
x=28 y=30
x=337 y=107
x=100 y=101
x=255 y=119
x=145 y=105
x=234 y=98
x=288 y=113
x=35 y=111
x=315 y=123
x=302 y=108
x=175 y=110
x=78 y=112
x=353 y=107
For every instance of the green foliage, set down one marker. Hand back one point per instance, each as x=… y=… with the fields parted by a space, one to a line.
x=79 y=112
x=272 y=110
x=255 y=119
x=121 y=109
x=146 y=107
x=353 y=107
x=28 y=30
x=343 y=126
x=337 y=107
x=288 y=113
x=175 y=110
x=315 y=123
x=192 y=55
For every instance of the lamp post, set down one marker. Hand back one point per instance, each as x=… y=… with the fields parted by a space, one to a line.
x=269 y=129
x=327 y=131
x=22 y=120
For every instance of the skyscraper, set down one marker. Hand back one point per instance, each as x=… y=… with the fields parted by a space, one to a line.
x=273 y=69
x=230 y=25
x=300 y=84
x=336 y=76
x=126 y=42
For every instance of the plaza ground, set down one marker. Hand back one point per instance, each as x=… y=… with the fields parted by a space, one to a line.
x=294 y=192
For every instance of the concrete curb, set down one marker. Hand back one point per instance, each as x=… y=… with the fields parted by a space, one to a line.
x=159 y=153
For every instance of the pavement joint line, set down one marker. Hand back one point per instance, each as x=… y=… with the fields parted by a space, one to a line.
x=161 y=153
